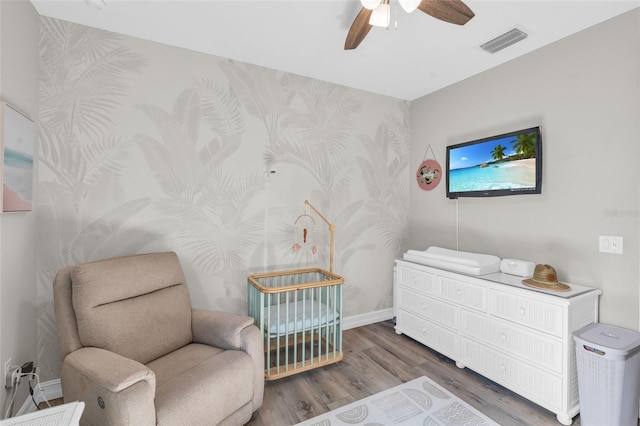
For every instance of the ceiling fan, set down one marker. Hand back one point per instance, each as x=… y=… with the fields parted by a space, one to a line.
x=377 y=13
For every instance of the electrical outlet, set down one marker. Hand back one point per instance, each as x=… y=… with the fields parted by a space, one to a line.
x=7 y=374
x=611 y=244
x=11 y=374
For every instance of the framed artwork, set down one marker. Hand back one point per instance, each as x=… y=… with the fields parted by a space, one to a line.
x=17 y=160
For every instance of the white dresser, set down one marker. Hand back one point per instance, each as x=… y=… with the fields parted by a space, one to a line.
x=512 y=334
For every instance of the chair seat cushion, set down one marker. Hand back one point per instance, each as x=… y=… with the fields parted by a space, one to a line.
x=199 y=384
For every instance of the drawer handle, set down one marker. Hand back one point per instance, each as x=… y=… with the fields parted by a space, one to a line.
x=503 y=368
x=414 y=278
x=503 y=336
x=424 y=307
x=522 y=311
x=458 y=291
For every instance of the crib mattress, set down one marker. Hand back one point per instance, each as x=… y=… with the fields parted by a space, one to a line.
x=301 y=315
x=454 y=260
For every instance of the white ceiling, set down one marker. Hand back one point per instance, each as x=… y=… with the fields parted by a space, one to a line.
x=307 y=37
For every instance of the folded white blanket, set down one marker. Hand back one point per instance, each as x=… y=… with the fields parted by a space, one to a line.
x=459 y=261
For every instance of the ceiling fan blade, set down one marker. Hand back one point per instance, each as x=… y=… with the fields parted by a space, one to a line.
x=359 y=29
x=452 y=11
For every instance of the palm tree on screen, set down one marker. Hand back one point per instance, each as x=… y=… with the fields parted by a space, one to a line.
x=498 y=152
x=525 y=145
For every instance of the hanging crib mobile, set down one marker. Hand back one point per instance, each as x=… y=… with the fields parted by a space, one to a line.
x=305 y=234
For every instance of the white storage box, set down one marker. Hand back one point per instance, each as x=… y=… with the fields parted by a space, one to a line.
x=608 y=362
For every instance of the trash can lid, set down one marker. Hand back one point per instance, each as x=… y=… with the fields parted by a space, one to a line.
x=620 y=340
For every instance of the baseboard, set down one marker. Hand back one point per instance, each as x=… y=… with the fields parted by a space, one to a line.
x=42 y=392
x=52 y=389
x=366 y=319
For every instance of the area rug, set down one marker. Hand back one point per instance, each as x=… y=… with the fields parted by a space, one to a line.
x=419 y=402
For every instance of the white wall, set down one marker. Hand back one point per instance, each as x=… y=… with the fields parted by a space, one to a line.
x=584 y=92
x=19 y=36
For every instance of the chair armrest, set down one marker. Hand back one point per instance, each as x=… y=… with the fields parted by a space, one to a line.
x=109 y=370
x=236 y=332
x=219 y=329
x=115 y=389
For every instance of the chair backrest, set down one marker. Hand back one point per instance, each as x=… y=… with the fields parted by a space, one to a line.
x=137 y=306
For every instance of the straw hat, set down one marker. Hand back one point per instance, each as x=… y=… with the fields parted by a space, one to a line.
x=545 y=277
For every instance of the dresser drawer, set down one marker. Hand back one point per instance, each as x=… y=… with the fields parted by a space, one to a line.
x=532 y=383
x=526 y=345
x=531 y=313
x=427 y=307
x=428 y=333
x=464 y=293
x=418 y=280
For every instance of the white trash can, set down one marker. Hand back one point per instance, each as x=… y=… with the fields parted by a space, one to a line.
x=608 y=362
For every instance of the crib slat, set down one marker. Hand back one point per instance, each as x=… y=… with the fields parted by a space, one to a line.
x=305 y=294
x=295 y=325
x=312 y=327
x=339 y=303
x=319 y=335
x=335 y=322
x=278 y=333
x=327 y=325
x=287 y=331
x=267 y=331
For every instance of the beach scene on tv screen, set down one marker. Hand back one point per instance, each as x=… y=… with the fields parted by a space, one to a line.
x=497 y=164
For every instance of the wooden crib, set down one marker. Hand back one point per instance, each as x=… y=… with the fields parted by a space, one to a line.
x=299 y=313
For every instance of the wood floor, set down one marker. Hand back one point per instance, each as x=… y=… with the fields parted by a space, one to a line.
x=52 y=403
x=376 y=359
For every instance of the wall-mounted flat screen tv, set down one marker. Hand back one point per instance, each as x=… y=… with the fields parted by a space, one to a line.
x=507 y=164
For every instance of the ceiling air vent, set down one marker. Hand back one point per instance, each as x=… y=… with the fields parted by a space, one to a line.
x=505 y=40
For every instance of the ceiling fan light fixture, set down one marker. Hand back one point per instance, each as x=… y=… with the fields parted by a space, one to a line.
x=381 y=16
x=370 y=4
x=452 y=11
x=409 y=5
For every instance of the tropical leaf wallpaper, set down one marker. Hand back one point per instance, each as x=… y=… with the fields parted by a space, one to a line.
x=146 y=147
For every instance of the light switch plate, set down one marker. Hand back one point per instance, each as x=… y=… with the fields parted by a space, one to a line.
x=611 y=244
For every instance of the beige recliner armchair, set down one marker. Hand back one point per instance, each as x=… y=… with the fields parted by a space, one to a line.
x=136 y=353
